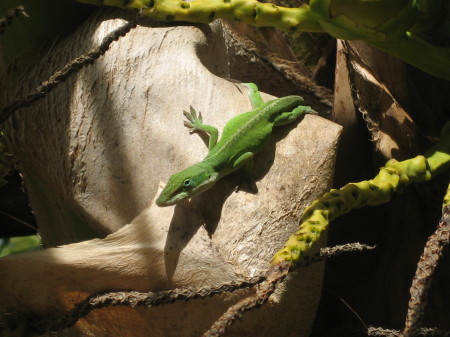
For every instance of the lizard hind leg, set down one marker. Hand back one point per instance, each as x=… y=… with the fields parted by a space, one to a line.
x=290 y=116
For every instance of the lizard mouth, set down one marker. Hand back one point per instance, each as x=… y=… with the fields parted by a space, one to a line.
x=167 y=198
x=162 y=202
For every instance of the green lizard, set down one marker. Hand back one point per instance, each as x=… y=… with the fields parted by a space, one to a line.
x=242 y=137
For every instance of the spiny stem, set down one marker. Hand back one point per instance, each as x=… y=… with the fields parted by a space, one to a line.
x=315 y=17
x=70 y=68
x=199 y=11
x=426 y=267
x=134 y=299
x=9 y=17
x=393 y=176
x=275 y=275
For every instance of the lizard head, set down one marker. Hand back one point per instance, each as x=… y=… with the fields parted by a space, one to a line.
x=185 y=184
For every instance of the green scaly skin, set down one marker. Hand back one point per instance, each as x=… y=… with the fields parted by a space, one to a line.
x=243 y=136
x=379 y=190
x=395 y=26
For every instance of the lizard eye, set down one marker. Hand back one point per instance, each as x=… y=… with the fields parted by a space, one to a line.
x=188 y=183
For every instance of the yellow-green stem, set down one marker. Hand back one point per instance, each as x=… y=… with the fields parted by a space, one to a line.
x=376 y=191
x=447 y=197
x=200 y=11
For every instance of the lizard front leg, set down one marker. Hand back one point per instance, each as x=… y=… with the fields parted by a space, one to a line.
x=195 y=123
x=246 y=162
